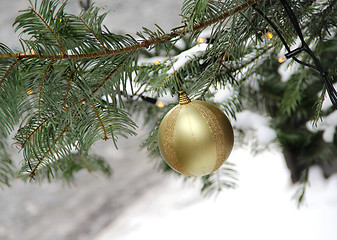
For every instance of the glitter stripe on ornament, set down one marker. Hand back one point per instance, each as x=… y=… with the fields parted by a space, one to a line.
x=220 y=128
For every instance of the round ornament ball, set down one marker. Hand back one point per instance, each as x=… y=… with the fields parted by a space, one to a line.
x=195 y=137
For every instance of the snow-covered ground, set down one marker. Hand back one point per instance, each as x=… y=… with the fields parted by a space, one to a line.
x=139 y=203
x=260 y=208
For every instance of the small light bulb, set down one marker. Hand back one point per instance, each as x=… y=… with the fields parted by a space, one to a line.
x=282 y=59
x=269 y=35
x=29 y=92
x=201 y=40
x=160 y=104
x=156 y=62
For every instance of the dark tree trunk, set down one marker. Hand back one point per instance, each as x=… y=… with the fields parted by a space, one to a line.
x=291 y=162
x=296 y=170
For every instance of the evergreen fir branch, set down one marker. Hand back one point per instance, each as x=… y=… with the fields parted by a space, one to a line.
x=70 y=80
x=6 y=65
x=42 y=82
x=100 y=120
x=194 y=11
x=10 y=69
x=318 y=108
x=46 y=148
x=49 y=28
x=300 y=193
x=7 y=167
x=83 y=129
x=35 y=130
x=10 y=97
x=293 y=94
x=44 y=157
x=152 y=78
x=322 y=20
x=93 y=22
x=93 y=33
x=216 y=72
x=68 y=88
x=66 y=167
x=232 y=106
x=74 y=162
x=144 y=44
x=43 y=23
x=107 y=78
x=81 y=101
x=215 y=182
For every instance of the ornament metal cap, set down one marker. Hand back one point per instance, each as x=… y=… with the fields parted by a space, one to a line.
x=183 y=98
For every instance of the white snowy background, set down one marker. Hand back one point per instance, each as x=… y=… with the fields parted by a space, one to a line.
x=140 y=203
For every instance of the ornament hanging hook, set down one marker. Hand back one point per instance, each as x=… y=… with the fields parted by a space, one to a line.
x=183 y=98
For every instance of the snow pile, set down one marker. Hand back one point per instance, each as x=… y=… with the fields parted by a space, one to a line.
x=247 y=120
x=327 y=124
x=250 y=121
x=222 y=95
x=186 y=56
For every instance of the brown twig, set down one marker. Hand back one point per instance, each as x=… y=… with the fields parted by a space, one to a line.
x=223 y=55
x=213 y=79
x=42 y=82
x=49 y=28
x=100 y=120
x=32 y=173
x=237 y=67
x=108 y=77
x=35 y=130
x=83 y=100
x=92 y=32
x=8 y=72
x=146 y=43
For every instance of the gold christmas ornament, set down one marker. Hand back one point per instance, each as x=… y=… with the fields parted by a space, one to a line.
x=195 y=138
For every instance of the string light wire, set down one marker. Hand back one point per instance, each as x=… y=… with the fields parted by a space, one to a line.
x=283 y=40
x=304 y=47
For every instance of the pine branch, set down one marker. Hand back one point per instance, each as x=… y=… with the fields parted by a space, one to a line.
x=82 y=101
x=69 y=61
x=7 y=167
x=42 y=82
x=65 y=129
x=93 y=33
x=215 y=182
x=50 y=29
x=100 y=121
x=144 y=44
x=107 y=78
x=213 y=79
x=68 y=88
x=10 y=69
x=27 y=137
x=219 y=63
